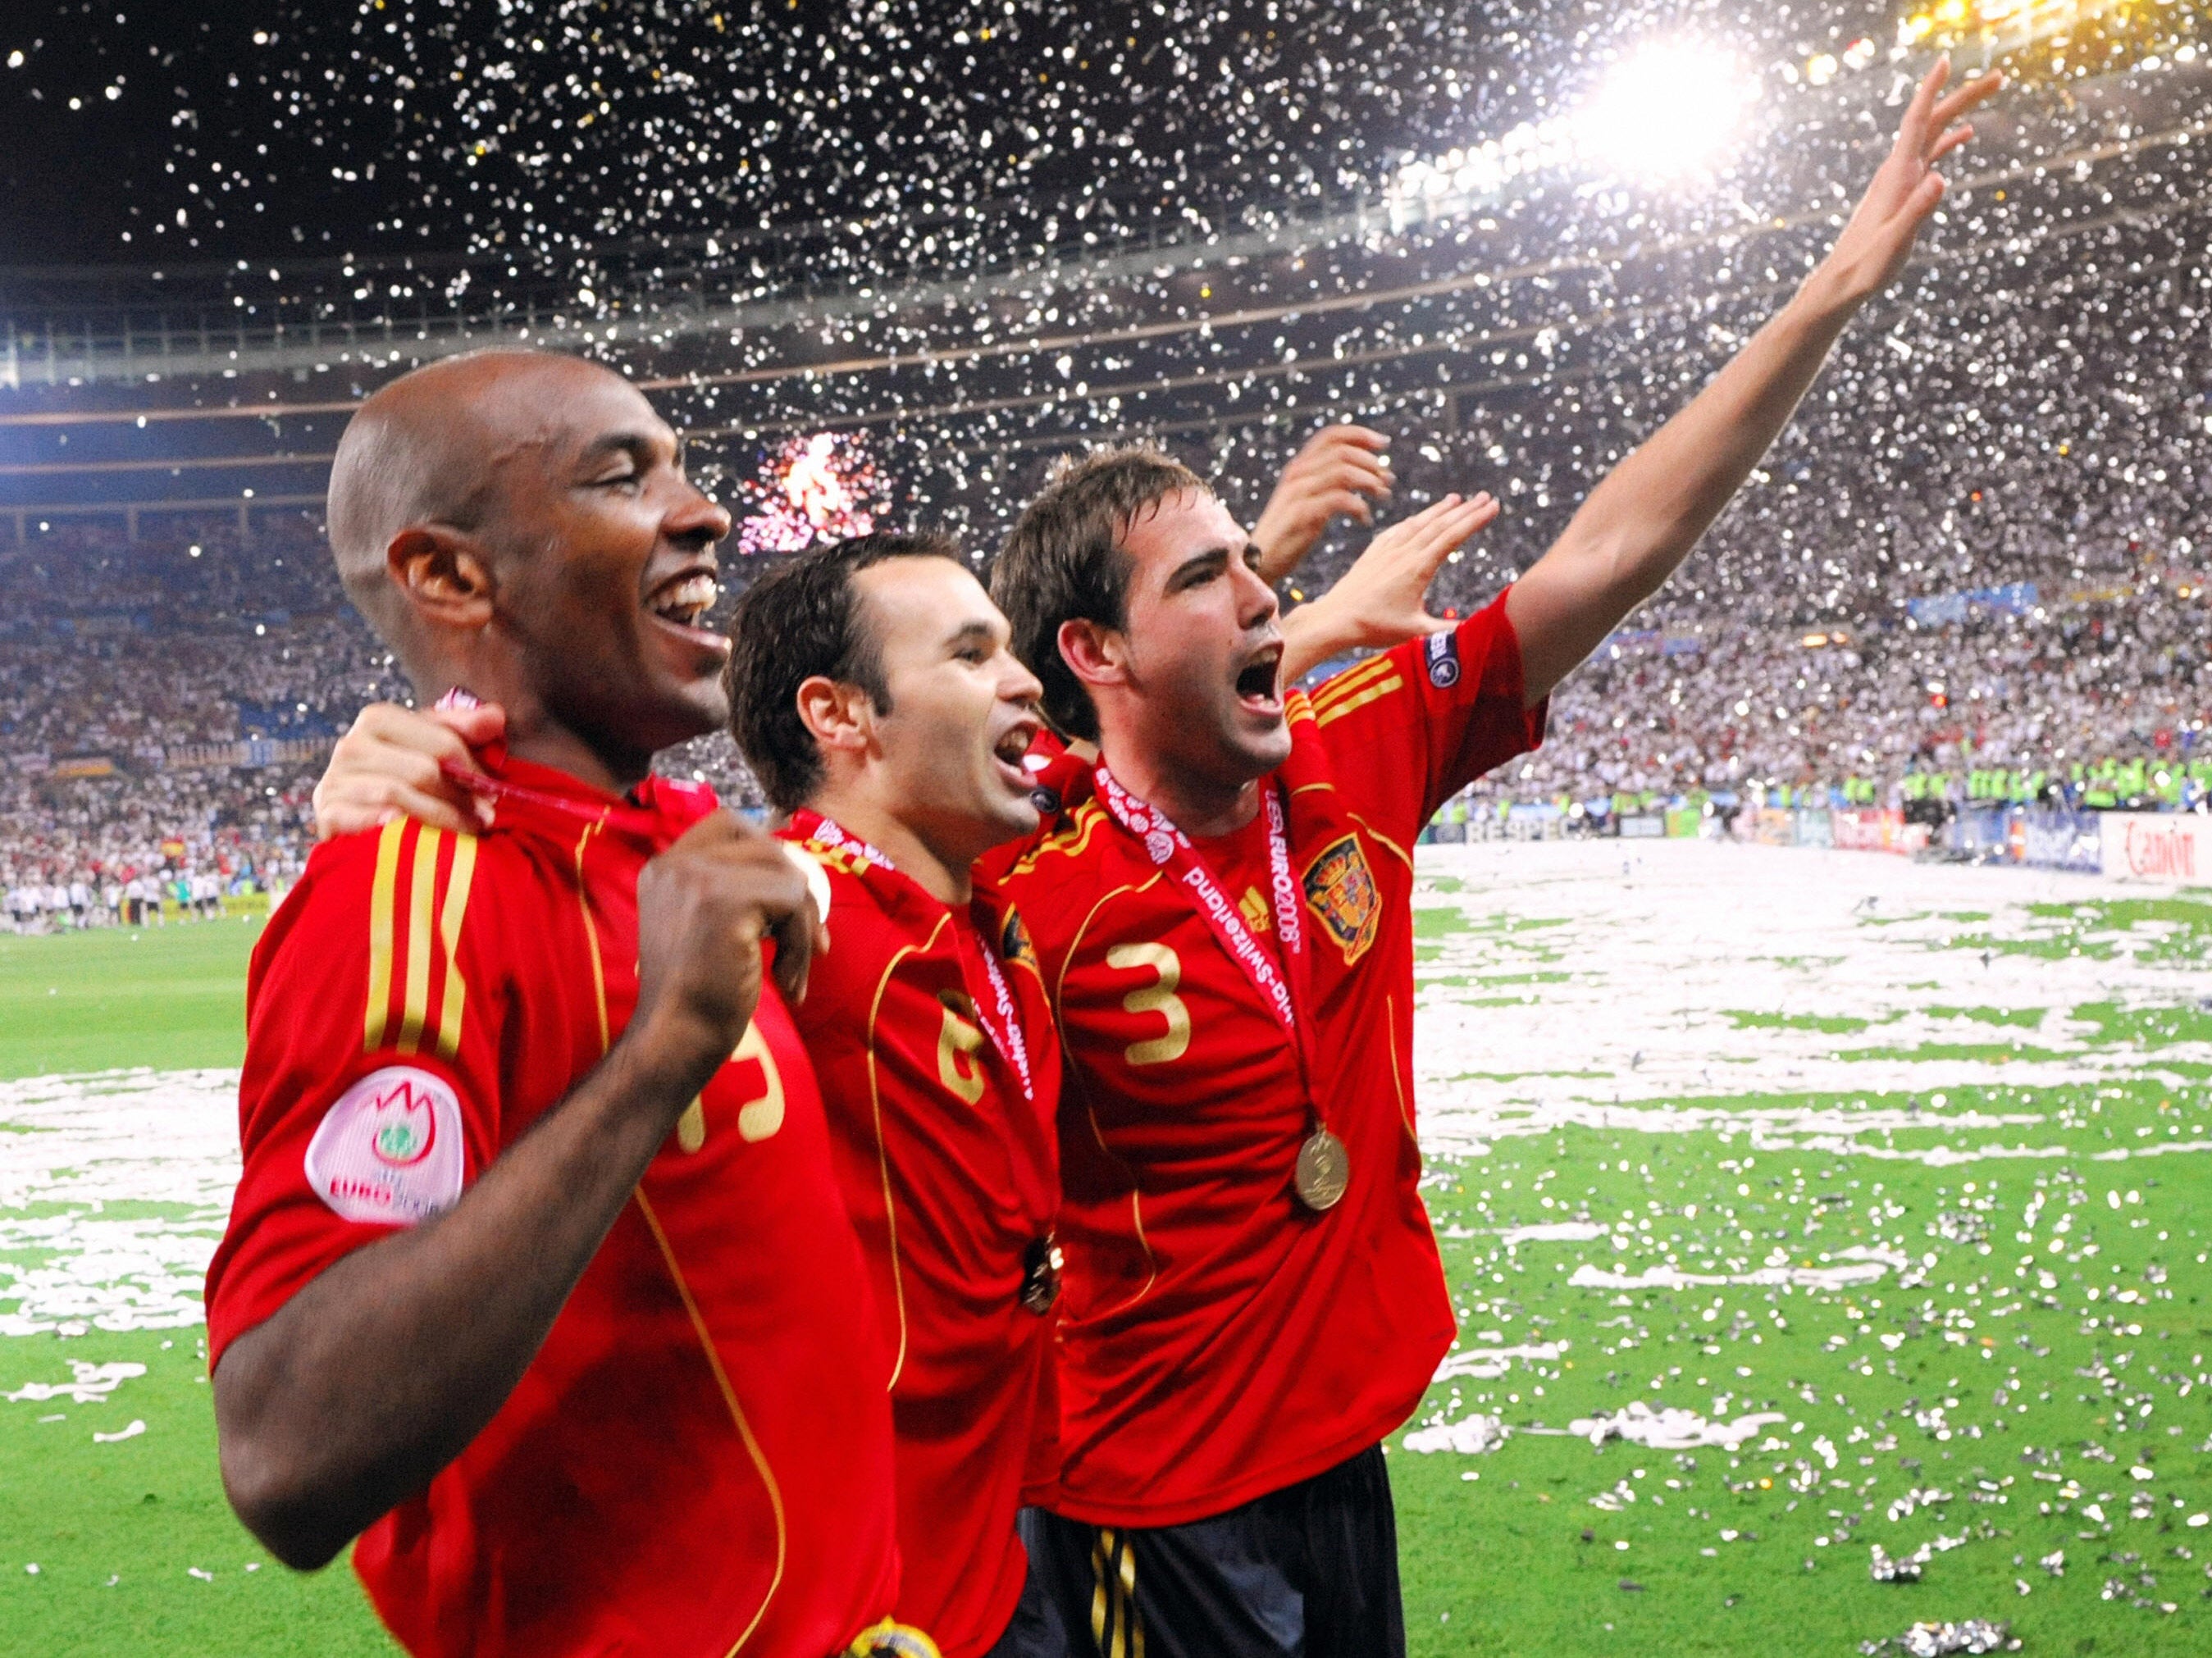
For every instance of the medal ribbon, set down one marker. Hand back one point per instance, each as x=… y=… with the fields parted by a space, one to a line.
x=1171 y=850
x=1005 y=1034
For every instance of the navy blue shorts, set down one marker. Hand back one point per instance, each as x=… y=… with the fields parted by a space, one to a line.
x=1308 y=1571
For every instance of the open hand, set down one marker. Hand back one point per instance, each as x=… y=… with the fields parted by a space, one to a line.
x=1341 y=470
x=1878 y=239
x=391 y=764
x=1383 y=599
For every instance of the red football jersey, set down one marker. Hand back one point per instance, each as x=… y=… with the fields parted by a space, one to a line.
x=941 y=1129
x=698 y=1460
x=1218 y=1340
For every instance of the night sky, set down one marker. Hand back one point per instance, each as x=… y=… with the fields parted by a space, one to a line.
x=287 y=129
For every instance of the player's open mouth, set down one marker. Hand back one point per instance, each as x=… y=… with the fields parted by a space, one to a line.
x=681 y=603
x=1257 y=689
x=1008 y=751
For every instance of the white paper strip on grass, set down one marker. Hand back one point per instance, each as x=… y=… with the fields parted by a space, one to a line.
x=1558 y=1231
x=1471 y=1436
x=89 y=1385
x=1487 y=1363
x=1668 y=1428
x=1859 y=1264
x=76 y=1148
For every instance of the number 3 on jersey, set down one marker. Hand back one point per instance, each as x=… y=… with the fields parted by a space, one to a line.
x=1158 y=997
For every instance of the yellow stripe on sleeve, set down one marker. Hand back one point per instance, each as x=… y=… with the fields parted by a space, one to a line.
x=1350 y=704
x=421 y=888
x=381 y=895
x=451 y=1005
x=1350 y=680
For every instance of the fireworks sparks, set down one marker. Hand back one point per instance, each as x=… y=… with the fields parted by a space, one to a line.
x=822 y=488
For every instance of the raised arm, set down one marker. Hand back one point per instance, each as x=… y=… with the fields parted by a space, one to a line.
x=1640 y=524
x=374 y=1376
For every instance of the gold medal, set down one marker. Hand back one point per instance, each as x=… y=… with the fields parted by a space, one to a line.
x=1324 y=1171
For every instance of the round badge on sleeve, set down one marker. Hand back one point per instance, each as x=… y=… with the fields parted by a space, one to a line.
x=388 y=1151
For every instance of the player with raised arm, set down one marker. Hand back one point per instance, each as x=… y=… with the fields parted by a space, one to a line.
x=1254 y=1296
x=537 y=1278
x=873 y=692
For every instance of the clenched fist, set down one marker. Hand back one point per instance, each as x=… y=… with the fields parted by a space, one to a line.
x=705 y=907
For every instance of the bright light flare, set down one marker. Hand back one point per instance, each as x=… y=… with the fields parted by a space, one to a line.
x=1669 y=111
x=1672 y=111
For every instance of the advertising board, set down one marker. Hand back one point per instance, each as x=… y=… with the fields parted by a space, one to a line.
x=2146 y=846
x=2062 y=840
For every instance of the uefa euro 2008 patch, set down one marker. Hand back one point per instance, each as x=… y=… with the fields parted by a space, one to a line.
x=389 y=1152
x=1442 y=652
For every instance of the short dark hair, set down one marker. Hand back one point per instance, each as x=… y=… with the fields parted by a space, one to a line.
x=1066 y=560
x=795 y=623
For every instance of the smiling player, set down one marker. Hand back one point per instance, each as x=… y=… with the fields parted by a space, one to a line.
x=538 y=1278
x=873 y=695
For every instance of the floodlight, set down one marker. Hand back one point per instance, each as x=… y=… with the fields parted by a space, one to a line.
x=1670 y=110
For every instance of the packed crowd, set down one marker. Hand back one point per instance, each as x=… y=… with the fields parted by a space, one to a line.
x=164 y=710
x=161 y=706
x=2082 y=687
x=2046 y=614
x=165 y=707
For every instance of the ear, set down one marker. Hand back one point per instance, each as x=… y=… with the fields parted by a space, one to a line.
x=447 y=579
x=838 y=716
x=1094 y=655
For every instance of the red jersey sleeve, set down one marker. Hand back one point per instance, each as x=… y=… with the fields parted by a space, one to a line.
x=369 y=1094
x=1408 y=729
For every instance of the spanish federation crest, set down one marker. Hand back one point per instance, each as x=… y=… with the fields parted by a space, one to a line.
x=1341 y=893
x=1014 y=940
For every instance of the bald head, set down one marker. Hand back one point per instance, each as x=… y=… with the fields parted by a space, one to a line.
x=434 y=448
x=521 y=524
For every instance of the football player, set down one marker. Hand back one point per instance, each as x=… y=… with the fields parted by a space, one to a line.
x=1254 y=1296
x=537 y=1279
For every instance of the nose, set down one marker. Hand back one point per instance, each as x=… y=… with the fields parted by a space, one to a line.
x=697 y=516
x=1019 y=685
x=1257 y=604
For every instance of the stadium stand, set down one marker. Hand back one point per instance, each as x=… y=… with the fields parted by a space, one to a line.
x=1974 y=571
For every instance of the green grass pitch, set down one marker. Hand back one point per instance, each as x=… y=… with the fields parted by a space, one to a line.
x=135 y=1549
x=1906 y=1163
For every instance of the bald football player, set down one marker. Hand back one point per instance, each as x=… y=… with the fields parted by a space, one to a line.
x=538 y=1280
